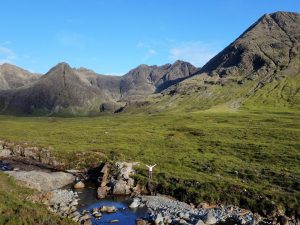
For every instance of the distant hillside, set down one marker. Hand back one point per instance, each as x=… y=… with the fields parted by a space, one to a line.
x=68 y=91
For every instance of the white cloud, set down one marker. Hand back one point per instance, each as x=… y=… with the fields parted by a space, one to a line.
x=197 y=53
x=71 y=39
x=150 y=51
x=7 y=55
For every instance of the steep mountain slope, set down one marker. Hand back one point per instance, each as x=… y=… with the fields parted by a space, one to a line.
x=13 y=77
x=60 y=89
x=266 y=53
x=145 y=80
x=65 y=90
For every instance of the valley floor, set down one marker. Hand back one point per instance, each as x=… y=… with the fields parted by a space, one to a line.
x=247 y=158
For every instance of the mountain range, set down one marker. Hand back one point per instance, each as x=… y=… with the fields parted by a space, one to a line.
x=260 y=68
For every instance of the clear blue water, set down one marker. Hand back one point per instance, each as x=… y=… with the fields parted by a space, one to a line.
x=124 y=215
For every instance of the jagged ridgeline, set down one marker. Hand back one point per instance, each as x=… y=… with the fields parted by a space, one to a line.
x=65 y=90
x=260 y=69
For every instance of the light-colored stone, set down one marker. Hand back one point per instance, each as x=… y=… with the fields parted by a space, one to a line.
x=4 y=153
x=135 y=203
x=42 y=181
x=108 y=209
x=210 y=219
x=200 y=222
x=158 y=219
x=79 y=185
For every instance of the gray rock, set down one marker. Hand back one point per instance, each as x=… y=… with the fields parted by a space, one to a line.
x=210 y=218
x=42 y=181
x=135 y=203
x=200 y=222
x=158 y=219
x=5 y=153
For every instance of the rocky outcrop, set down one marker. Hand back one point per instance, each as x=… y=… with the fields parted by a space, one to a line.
x=116 y=179
x=103 y=188
x=42 y=181
x=122 y=183
x=26 y=153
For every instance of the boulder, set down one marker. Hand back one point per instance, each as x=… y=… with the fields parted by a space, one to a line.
x=102 y=192
x=4 y=153
x=158 y=219
x=120 y=187
x=210 y=218
x=79 y=185
x=97 y=215
x=108 y=209
x=141 y=222
x=42 y=181
x=87 y=222
x=200 y=222
x=135 y=203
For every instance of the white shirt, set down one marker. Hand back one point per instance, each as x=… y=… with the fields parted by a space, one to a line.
x=150 y=168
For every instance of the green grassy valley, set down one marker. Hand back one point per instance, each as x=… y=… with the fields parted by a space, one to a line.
x=249 y=158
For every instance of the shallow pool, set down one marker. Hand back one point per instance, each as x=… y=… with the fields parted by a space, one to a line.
x=124 y=215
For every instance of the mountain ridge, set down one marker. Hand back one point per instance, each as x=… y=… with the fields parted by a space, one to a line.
x=267 y=53
x=83 y=91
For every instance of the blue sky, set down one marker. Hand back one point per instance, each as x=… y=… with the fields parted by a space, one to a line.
x=114 y=36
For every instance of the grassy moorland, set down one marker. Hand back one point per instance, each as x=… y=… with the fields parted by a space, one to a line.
x=14 y=209
x=247 y=157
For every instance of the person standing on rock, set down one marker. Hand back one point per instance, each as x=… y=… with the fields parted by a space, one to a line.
x=150 y=169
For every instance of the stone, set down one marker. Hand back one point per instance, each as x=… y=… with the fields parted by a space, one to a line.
x=79 y=185
x=121 y=188
x=200 y=222
x=104 y=174
x=72 y=208
x=31 y=153
x=108 y=209
x=135 y=203
x=210 y=218
x=42 y=181
x=182 y=221
x=102 y=192
x=87 y=222
x=158 y=219
x=141 y=222
x=4 y=153
x=97 y=215
x=85 y=217
x=74 y=203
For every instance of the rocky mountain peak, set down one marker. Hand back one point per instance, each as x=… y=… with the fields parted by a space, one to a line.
x=271 y=42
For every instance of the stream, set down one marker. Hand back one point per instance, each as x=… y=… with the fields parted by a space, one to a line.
x=124 y=215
